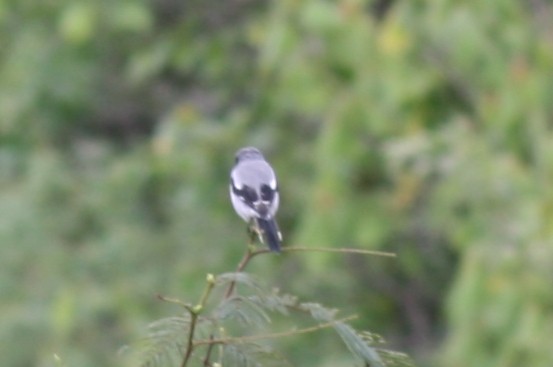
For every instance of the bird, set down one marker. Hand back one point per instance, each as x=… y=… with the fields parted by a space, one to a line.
x=254 y=195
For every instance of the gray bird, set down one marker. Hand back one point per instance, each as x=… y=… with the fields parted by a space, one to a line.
x=254 y=194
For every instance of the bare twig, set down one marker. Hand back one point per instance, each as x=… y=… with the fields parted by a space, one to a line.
x=190 y=339
x=194 y=313
x=243 y=263
x=242 y=339
x=253 y=234
x=208 y=353
x=187 y=306
x=340 y=250
x=251 y=252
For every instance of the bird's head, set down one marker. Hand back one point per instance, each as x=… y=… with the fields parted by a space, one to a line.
x=248 y=153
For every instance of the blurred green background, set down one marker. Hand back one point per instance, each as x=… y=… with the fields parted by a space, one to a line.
x=419 y=127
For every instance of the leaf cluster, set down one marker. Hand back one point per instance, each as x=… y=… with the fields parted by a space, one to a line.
x=234 y=330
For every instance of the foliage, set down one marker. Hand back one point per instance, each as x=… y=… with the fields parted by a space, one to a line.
x=418 y=127
x=175 y=338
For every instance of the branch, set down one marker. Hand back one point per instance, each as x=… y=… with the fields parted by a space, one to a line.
x=208 y=353
x=190 y=339
x=242 y=339
x=194 y=313
x=340 y=250
x=187 y=306
x=251 y=252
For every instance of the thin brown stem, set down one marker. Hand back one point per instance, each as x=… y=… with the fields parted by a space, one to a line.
x=245 y=260
x=187 y=306
x=250 y=254
x=194 y=313
x=208 y=353
x=190 y=340
x=283 y=334
x=340 y=250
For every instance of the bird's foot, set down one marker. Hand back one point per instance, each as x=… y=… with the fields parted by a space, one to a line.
x=254 y=232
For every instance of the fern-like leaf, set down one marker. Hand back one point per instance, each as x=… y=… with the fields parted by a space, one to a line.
x=164 y=342
x=242 y=278
x=395 y=359
x=252 y=355
x=360 y=344
x=274 y=301
x=242 y=309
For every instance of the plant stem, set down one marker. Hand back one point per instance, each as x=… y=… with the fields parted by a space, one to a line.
x=245 y=260
x=190 y=341
x=253 y=233
x=194 y=313
x=187 y=306
x=273 y=335
x=340 y=250
x=208 y=353
x=251 y=252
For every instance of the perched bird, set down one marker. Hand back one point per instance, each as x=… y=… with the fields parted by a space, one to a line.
x=254 y=195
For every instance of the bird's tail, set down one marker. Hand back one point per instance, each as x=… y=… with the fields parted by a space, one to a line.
x=270 y=233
